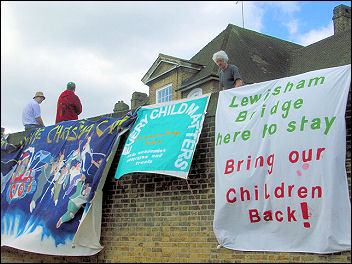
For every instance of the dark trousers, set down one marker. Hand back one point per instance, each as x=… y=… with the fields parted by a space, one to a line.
x=31 y=127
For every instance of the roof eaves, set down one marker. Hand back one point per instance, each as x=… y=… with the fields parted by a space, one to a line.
x=171 y=60
x=197 y=82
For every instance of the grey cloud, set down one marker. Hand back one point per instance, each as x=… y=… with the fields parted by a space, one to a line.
x=105 y=47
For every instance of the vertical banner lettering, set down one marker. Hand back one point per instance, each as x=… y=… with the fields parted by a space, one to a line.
x=164 y=138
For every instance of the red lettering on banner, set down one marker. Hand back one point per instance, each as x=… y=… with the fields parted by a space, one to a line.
x=254 y=216
x=279 y=218
x=268 y=215
x=318 y=188
x=229 y=166
x=247 y=164
x=266 y=192
x=302 y=192
x=290 y=214
x=290 y=188
x=256 y=192
x=243 y=192
x=228 y=196
x=305 y=214
x=294 y=155
x=281 y=191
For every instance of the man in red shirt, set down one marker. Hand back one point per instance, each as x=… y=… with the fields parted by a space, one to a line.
x=68 y=106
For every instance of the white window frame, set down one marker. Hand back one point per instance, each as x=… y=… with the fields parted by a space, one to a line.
x=195 y=92
x=164 y=94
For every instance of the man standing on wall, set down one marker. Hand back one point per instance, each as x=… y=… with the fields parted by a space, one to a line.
x=229 y=74
x=69 y=105
x=31 y=117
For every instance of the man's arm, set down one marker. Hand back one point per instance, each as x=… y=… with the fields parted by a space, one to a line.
x=238 y=83
x=40 y=121
x=77 y=105
x=236 y=76
x=221 y=83
x=37 y=115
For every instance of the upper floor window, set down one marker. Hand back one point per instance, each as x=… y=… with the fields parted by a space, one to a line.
x=195 y=92
x=164 y=94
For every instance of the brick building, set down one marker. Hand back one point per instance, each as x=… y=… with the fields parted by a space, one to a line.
x=259 y=57
x=158 y=218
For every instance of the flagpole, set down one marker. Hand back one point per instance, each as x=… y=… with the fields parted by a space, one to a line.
x=242 y=13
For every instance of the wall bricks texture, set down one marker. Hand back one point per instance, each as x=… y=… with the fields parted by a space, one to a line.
x=157 y=218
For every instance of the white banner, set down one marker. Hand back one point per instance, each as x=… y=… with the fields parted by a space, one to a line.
x=280 y=178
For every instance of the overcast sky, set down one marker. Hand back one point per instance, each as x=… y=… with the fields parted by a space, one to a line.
x=107 y=47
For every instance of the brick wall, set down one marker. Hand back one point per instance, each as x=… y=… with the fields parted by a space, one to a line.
x=156 y=218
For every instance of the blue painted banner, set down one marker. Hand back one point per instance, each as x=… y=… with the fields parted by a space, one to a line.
x=51 y=186
x=163 y=138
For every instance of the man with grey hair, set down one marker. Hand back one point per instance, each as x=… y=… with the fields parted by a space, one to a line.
x=230 y=76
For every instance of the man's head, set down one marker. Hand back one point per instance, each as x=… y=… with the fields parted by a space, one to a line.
x=39 y=97
x=71 y=86
x=221 y=59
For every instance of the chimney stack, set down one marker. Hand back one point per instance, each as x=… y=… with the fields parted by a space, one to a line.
x=342 y=18
x=120 y=106
x=139 y=99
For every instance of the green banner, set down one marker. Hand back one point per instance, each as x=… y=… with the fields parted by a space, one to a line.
x=163 y=138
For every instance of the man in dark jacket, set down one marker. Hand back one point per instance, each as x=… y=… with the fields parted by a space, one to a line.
x=68 y=106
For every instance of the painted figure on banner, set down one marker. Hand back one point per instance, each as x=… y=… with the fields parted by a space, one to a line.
x=60 y=181
x=58 y=174
x=89 y=158
x=23 y=179
x=75 y=154
x=42 y=179
x=77 y=200
x=74 y=176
